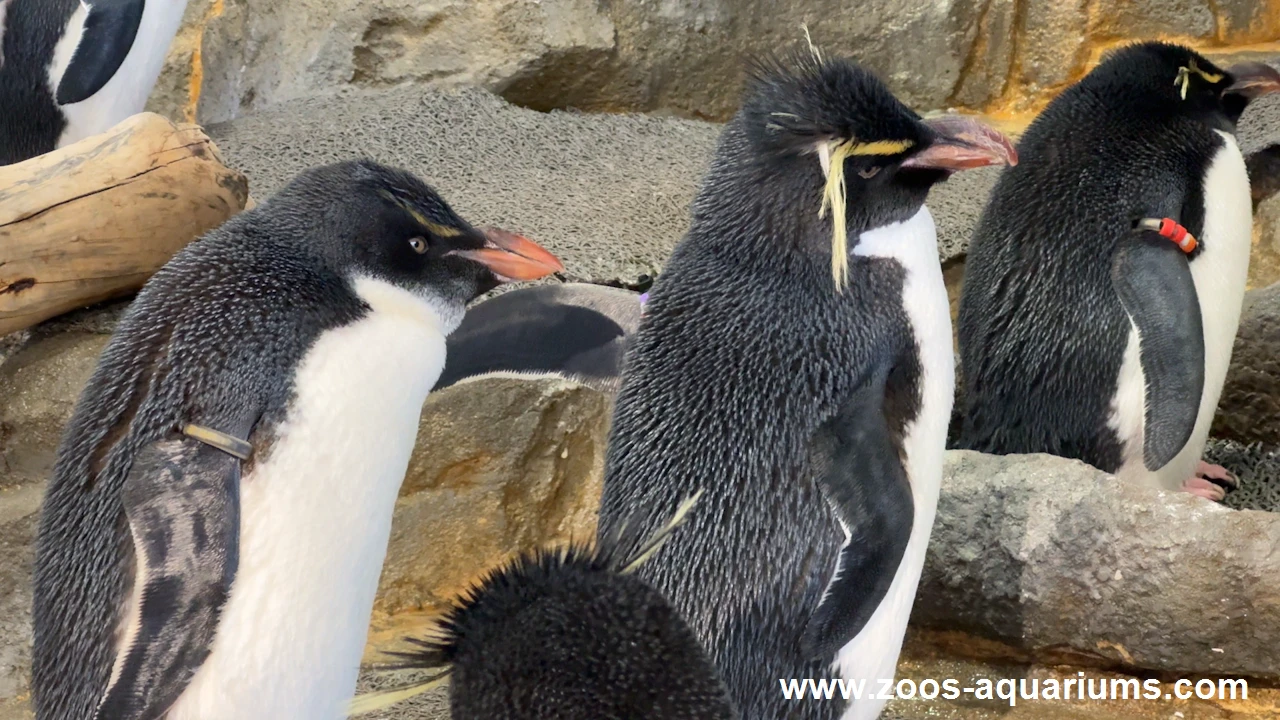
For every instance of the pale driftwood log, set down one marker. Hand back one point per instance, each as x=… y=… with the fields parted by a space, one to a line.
x=92 y=221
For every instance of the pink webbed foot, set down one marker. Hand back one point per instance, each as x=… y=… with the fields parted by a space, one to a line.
x=1200 y=487
x=1211 y=482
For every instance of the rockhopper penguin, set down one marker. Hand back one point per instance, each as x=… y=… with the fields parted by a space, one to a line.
x=74 y=68
x=566 y=634
x=576 y=331
x=795 y=361
x=1104 y=283
x=220 y=507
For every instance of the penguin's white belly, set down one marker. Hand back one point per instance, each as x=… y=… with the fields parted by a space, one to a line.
x=872 y=655
x=126 y=93
x=316 y=517
x=1220 y=273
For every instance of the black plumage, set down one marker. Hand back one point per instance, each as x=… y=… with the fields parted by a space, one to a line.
x=212 y=339
x=1056 y=263
x=755 y=377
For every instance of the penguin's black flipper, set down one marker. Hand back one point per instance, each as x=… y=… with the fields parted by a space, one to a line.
x=860 y=472
x=575 y=330
x=182 y=502
x=1152 y=277
x=109 y=31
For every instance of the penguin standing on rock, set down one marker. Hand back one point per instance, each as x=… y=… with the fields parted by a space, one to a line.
x=567 y=634
x=70 y=69
x=795 y=361
x=220 y=507
x=1105 y=279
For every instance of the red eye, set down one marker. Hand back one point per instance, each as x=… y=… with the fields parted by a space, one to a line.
x=418 y=244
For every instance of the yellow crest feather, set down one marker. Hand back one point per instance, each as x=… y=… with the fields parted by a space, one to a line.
x=383 y=699
x=833 y=198
x=655 y=543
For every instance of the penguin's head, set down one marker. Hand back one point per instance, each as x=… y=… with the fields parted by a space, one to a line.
x=369 y=220
x=833 y=134
x=1151 y=77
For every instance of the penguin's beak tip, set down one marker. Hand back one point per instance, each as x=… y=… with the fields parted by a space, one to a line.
x=963 y=143
x=511 y=257
x=1254 y=79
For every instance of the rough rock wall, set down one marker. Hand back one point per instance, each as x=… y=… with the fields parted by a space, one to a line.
x=679 y=56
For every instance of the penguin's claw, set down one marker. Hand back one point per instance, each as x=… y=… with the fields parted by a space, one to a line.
x=1206 y=489
x=1217 y=475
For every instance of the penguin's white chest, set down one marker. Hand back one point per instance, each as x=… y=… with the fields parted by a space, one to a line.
x=316 y=517
x=872 y=655
x=126 y=93
x=1219 y=273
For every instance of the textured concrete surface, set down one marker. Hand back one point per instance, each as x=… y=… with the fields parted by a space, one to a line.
x=1052 y=556
x=1249 y=410
x=609 y=194
x=1256 y=466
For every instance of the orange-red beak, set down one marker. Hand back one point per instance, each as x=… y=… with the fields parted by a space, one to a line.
x=1254 y=79
x=512 y=257
x=962 y=143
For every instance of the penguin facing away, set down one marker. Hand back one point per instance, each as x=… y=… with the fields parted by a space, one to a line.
x=1105 y=278
x=70 y=69
x=577 y=331
x=569 y=634
x=221 y=502
x=795 y=361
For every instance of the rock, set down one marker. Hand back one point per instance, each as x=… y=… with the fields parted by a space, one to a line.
x=39 y=387
x=677 y=56
x=19 y=508
x=1056 y=558
x=1249 y=408
x=608 y=194
x=502 y=465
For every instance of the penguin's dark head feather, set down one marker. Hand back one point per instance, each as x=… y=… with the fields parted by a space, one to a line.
x=568 y=633
x=831 y=132
x=366 y=219
x=1156 y=77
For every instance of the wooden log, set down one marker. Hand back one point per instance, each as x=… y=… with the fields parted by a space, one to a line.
x=92 y=221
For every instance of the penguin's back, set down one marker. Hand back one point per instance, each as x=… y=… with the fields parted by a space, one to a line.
x=1042 y=332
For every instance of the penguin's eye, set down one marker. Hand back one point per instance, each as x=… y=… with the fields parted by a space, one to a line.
x=868 y=173
x=418 y=244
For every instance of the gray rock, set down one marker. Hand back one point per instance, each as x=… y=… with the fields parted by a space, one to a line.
x=39 y=387
x=1050 y=555
x=19 y=511
x=501 y=465
x=686 y=57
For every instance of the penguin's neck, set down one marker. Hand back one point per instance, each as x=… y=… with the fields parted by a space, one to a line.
x=385 y=298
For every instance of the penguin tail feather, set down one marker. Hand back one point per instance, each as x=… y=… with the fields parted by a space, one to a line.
x=512 y=583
